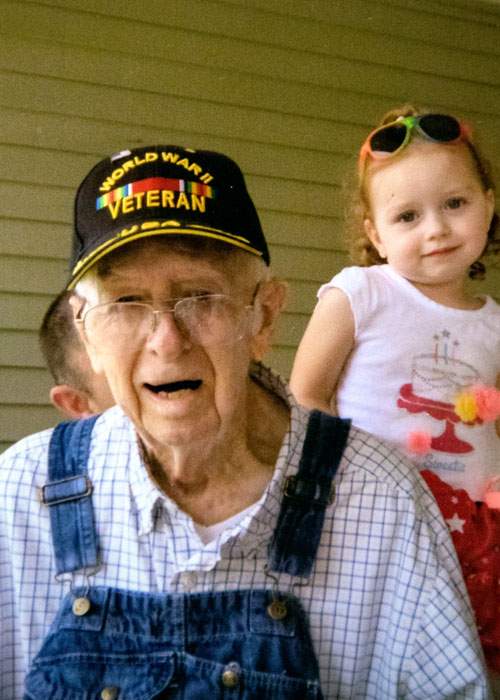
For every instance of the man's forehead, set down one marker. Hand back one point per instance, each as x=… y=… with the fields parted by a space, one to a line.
x=167 y=273
x=173 y=263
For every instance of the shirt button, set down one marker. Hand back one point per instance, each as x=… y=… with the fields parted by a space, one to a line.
x=189 y=579
x=109 y=693
x=231 y=675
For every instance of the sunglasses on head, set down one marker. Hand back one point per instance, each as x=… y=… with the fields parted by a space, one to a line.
x=389 y=139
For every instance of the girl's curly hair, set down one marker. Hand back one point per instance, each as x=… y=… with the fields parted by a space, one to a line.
x=361 y=249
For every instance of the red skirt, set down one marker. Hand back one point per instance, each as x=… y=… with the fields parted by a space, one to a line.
x=475 y=530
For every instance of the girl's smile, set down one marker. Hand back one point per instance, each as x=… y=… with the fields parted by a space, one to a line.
x=429 y=217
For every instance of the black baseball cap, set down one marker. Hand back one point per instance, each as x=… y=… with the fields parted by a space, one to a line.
x=161 y=190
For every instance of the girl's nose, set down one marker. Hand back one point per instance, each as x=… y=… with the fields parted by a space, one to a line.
x=436 y=225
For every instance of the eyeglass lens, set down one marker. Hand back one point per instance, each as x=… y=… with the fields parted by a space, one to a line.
x=207 y=320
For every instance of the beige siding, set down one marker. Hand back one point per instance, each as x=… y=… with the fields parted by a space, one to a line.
x=288 y=88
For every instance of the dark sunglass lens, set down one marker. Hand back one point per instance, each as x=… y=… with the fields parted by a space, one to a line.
x=440 y=127
x=389 y=138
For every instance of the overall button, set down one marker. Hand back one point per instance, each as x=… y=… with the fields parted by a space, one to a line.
x=277 y=610
x=81 y=606
x=231 y=675
x=189 y=579
x=109 y=693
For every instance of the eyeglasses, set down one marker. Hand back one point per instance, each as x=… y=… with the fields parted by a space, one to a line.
x=207 y=319
x=387 y=140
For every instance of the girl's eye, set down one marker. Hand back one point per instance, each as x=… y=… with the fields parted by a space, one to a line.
x=407 y=217
x=455 y=202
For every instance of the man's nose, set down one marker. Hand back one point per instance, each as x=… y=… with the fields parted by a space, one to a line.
x=166 y=336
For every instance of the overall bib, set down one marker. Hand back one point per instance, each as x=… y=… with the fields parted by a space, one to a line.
x=113 y=644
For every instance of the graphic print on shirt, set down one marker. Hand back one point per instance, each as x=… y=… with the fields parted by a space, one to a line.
x=437 y=378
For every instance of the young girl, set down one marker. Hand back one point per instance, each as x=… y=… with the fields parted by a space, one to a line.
x=400 y=344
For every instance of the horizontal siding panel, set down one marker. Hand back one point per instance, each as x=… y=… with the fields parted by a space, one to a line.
x=36 y=93
x=22 y=310
x=321 y=232
x=304 y=264
x=205 y=85
x=300 y=95
x=18 y=421
x=36 y=202
x=302 y=295
x=28 y=275
x=477 y=15
x=47 y=167
x=35 y=238
x=281 y=360
x=403 y=18
x=290 y=330
x=20 y=349
x=215 y=22
x=26 y=385
x=296 y=197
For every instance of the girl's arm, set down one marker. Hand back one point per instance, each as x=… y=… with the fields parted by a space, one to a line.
x=323 y=351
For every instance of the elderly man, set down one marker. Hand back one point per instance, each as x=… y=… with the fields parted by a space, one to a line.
x=208 y=537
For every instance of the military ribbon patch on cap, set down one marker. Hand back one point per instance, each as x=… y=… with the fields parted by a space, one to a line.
x=154 y=183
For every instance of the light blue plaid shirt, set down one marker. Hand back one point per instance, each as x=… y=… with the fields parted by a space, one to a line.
x=387 y=607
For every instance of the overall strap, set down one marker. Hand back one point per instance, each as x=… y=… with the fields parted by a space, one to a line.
x=68 y=495
x=306 y=496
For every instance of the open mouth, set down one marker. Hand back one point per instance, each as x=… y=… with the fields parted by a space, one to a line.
x=172 y=387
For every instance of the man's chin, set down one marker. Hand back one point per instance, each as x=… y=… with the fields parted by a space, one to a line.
x=162 y=432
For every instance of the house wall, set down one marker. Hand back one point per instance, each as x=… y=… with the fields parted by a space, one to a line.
x=289 y=88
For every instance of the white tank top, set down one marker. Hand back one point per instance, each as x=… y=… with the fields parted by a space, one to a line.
x=411 y=358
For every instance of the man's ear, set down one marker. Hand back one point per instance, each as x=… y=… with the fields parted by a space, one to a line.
x=71 y=402
x=372 y=233
x=270 y=300
x=76 y=303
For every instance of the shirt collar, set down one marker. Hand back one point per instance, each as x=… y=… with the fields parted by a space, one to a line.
x=154 y=509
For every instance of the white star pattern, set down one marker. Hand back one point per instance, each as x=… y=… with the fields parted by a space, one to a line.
x=455 y=523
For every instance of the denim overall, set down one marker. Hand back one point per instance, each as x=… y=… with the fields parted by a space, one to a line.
x=113 y=644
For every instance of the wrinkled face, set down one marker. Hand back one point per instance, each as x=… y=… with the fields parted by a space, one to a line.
x=176 y=391
x=429 y=213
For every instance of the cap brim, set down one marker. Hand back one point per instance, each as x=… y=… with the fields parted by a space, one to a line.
x=156 y=228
